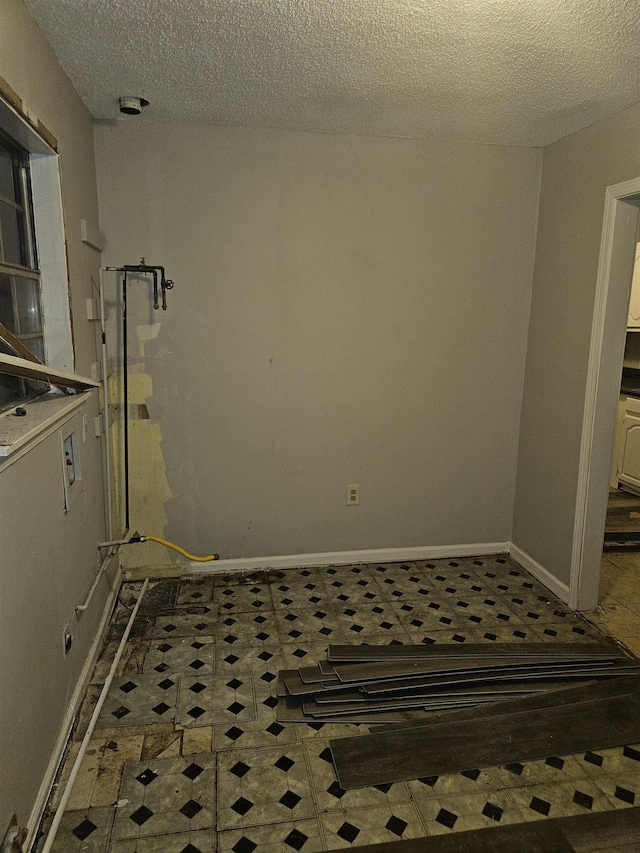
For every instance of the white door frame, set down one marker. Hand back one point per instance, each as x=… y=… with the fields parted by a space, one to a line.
x=606 y=354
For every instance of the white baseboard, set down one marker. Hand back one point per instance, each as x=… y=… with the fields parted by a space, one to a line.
x=539 y=572
x=342 y=558
x=70 y=715
x=386 y=555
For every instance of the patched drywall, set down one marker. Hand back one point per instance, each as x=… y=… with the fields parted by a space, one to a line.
x=148 y=486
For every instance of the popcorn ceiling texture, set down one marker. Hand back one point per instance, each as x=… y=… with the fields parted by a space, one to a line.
x=518 y=72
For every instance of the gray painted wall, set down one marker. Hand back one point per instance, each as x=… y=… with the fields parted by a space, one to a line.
x=576 y=172
x=346 y=310
x=48 y=558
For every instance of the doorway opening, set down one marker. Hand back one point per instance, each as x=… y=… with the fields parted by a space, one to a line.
x=606 y=358
x=622 y=531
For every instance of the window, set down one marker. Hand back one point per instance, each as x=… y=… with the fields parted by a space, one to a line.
x=34 y=282
x=20 y=307
x=20 y=304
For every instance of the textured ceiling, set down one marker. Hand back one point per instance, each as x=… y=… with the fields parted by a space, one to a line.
x=521 y=72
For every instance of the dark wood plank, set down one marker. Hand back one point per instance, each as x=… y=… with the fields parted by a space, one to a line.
x=378 y=671
x=289 y=710
x=520 y=676
x=555 y=697
x=312 y=707
x=496 y=691
x=535 y=837
x=604 y=831
x=343 y=654
x=297 y=687
x=485 y=742
x=311 y=674
x=281 y=687
x=331 y=696
x=326 y=668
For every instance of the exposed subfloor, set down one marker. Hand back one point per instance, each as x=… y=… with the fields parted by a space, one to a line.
x=187 y=756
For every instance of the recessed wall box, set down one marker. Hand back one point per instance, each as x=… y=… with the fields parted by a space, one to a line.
x=71 y=468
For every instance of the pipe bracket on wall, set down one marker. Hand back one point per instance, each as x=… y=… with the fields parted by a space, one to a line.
x=159 y=279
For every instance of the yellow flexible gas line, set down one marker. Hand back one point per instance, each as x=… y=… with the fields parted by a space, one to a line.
x=179 y=549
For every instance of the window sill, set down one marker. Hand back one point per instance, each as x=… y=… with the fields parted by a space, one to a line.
x=43 y=415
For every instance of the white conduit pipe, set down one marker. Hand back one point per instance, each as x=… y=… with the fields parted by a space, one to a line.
x=53 y=831
x=80 y=608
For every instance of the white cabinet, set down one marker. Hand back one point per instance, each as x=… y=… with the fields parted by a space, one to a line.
x=633 y=321
x=628 y=445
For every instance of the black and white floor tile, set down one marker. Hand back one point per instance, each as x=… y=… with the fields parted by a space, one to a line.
x=264 y=731
x=216 y=700
x=180 y=656
x=563 y=633
x=263 y=786
x=559 y=799
x=386 y=822
x=470 y=782
x=203 y=660
x=250 y=598
x=303 y=589
x=202 y=622
x=88 y=830
x=329 y=795
x=507 y=634
x=249 y=629
x=285 y=837
x=140 y=700
x=165 y=796
x=302 y=653
x=197 y=589
x=203 y=841
x=429 y=615
x=466 y=811
x=621 y=789
x=232 y=658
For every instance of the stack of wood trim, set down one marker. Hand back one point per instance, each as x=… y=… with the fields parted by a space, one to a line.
x=399 y=683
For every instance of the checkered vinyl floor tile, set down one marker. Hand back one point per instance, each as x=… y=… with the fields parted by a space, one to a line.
x=216 y=771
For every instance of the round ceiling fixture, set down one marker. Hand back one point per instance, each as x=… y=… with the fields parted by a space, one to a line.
x=132 y=106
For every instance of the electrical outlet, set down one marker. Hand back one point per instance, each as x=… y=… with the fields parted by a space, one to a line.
x=353 y=494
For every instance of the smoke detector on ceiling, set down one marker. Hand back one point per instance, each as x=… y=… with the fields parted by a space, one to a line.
x=132 y=106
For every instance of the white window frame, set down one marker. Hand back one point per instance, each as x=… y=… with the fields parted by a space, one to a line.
x=46 y=191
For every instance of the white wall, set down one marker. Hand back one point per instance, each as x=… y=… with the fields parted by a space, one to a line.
x=576 y=172
x=48 y=558
x=346 y=310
